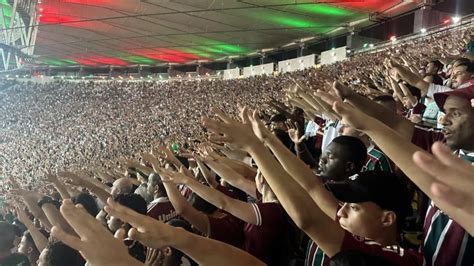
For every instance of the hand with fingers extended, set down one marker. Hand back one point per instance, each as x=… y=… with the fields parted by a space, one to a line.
x=74 y=179
x=155 y=163
x=295 y=134
x=452 y=183
x=150 y=232
x=174 y=177
x=95 y=243
x=228 y=130
x=352 y=116
x=166 y=154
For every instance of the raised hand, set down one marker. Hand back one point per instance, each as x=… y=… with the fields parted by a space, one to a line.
x=150 y=232
x=174 y=177
x=453 y=182
x=95 y=243
x=352 y=116
x=74 y=179
x=231 y=131
x=294 y=134
x=155 y=163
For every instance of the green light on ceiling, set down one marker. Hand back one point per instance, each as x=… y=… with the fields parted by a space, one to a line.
x=323 y=9
x=69 y=61
x=138 y=59
x=214 y=50
x=58 y=62
x=230 y=48
x=197 y=52
x=295 y=22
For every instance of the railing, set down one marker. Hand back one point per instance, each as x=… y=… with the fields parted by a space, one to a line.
x=464 y=22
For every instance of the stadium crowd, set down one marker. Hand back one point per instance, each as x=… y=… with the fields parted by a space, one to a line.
x=363 y=162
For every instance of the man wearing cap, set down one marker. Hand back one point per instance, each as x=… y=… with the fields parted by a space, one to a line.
x=445 y=241
x=368 y=224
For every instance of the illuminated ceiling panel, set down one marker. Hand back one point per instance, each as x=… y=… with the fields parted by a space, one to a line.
x=129 y=32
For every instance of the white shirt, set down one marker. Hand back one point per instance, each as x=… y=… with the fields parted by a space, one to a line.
x=434 y=88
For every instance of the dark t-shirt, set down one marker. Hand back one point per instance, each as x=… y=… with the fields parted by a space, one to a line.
x=14 y=260
x=265 y=240
x=226 y=228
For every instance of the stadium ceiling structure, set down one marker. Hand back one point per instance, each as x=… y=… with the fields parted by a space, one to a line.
x=153 y=32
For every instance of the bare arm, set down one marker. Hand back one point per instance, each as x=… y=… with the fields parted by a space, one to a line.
x=295 y=200
x=211 y=180
x=401 y=125
x=38 y=238
x=198 y=219
x=242 y=210
x=60 y=187
x=203 y=250
x=412 y=79
x=233 y=178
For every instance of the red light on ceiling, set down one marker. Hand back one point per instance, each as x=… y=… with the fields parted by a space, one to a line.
x=178 y=53
x=447 y=21
x=85 y=62
x=55 y=19
x=161 y=56
x=91 y=2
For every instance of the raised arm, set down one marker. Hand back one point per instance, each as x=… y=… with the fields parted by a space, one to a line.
x=38 y=238
x=60 y=187
x=232 y=177
x=412 y=78
x=298 y=170
x=399 y=150
x=208 y=176
x=155 y=234
x=99 y=190
x=182 y=207
x=294 y=199
x=401 y=125
x=242 y=210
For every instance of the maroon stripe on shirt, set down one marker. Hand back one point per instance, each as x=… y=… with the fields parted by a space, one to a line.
x=450 y=248
x=428 y=220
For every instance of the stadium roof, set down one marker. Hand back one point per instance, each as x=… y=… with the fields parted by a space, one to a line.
x=150 y=32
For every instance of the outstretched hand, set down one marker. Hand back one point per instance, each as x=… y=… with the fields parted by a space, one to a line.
x=152 y=233
x=228 y=130
x=352 y=116
x=95 y=243
x=453 y=182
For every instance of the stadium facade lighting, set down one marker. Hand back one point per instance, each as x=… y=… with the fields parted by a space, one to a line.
x=456 y=19
x=423 y=30
x=371 y=45
x=393 y=38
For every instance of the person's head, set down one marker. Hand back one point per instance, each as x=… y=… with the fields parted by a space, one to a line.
x=343 y=157
x=8 y=235
x=434 y=67
x=462 y=72
x=278 y=122
x=283 y=136
x=155 y=187
x=88 y=202
x=59 y=254
x=386 y=101
x=201 y=204
x=169 y=256
x=132 y=201
x=121 y=186
x=27 y=246
x=458 y=121
x=375 y=205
